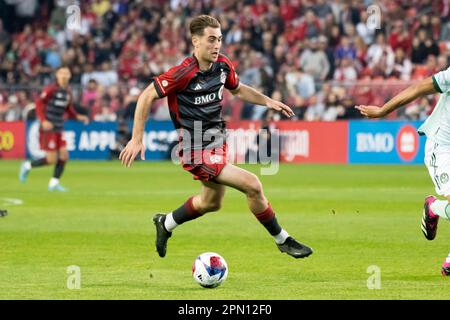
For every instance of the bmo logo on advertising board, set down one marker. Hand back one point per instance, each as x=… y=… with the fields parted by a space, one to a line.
x=407 y=143
x=385 y=142
x=374 y=142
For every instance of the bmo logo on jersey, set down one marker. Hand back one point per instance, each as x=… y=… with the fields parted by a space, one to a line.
x=207 y=98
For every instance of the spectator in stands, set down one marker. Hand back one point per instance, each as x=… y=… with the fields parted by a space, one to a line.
x=344 y=50
x=107 y=76
x=14 y=110
x=105 y=115
x=423 y=71
x=309 y=27
x=3 y=108
x=442 y=62
x=400 y=37
x=402 y=65
x=419 y=110
x=314 y=60
x=348 y=103
x=91 y=98
x=333 y=109
x=346 y=71
x=422 y=47
x=315 y=109
x=322 y=9
x=380 y=57
x=300 y=83
x=445 y=32
x=363 y=30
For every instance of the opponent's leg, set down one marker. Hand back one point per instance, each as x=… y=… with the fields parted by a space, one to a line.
x=249 y=184
x=434 y=209
x=438 y=165
x=210 y=199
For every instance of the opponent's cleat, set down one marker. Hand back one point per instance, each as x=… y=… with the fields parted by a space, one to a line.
x=445 y=270
x=429 y=219
x=57 y=187
x=23 y=173
x=162 y=235
x=294 y=248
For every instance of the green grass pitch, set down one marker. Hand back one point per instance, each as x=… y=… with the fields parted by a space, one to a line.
x=354 y=216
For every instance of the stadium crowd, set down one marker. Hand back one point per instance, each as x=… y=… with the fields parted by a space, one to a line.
x=321 y=57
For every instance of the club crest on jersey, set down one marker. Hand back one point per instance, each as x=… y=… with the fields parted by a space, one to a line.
x=223 y=77
x=215 y=159
x=444 y=178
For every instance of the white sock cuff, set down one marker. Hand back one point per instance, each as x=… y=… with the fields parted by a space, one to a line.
x=441 y=208
x=281 y=237
x=170 y=223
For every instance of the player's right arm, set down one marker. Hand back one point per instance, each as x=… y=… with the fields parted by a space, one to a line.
x=167 y=83
x=41 y=103
x=135 y=145
x=423 y=88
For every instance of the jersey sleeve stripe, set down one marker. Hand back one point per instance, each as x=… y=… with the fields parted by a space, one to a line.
x=436 y=85
x=182 y=69
x=158 y=88
x=186 y=71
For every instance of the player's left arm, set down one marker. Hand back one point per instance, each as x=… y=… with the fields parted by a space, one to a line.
x=251 y=95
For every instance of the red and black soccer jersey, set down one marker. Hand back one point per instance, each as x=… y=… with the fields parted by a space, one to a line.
x=195 y=96
x=53 y=103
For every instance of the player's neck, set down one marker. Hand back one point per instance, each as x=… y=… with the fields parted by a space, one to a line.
x=202 y=64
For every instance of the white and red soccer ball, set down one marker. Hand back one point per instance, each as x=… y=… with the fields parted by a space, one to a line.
x=210 y=270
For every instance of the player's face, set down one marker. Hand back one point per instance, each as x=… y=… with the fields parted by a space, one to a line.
x=208 y=45
x=63 y=76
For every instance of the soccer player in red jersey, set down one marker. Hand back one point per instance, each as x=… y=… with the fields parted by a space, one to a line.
x=51 y=106
x=194 y=90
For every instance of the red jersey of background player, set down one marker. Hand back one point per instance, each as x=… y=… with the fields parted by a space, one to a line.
x=53 y=103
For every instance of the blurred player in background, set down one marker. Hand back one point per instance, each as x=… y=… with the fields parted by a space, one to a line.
x=194 y=90
x=437 y=148
x=54 y=102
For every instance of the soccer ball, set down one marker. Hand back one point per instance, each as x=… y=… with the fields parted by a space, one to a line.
x=209 y=270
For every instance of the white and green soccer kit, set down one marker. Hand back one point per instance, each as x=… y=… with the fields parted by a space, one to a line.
x=437 y=130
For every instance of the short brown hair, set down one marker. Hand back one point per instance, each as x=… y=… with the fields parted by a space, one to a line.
x=200 y=23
